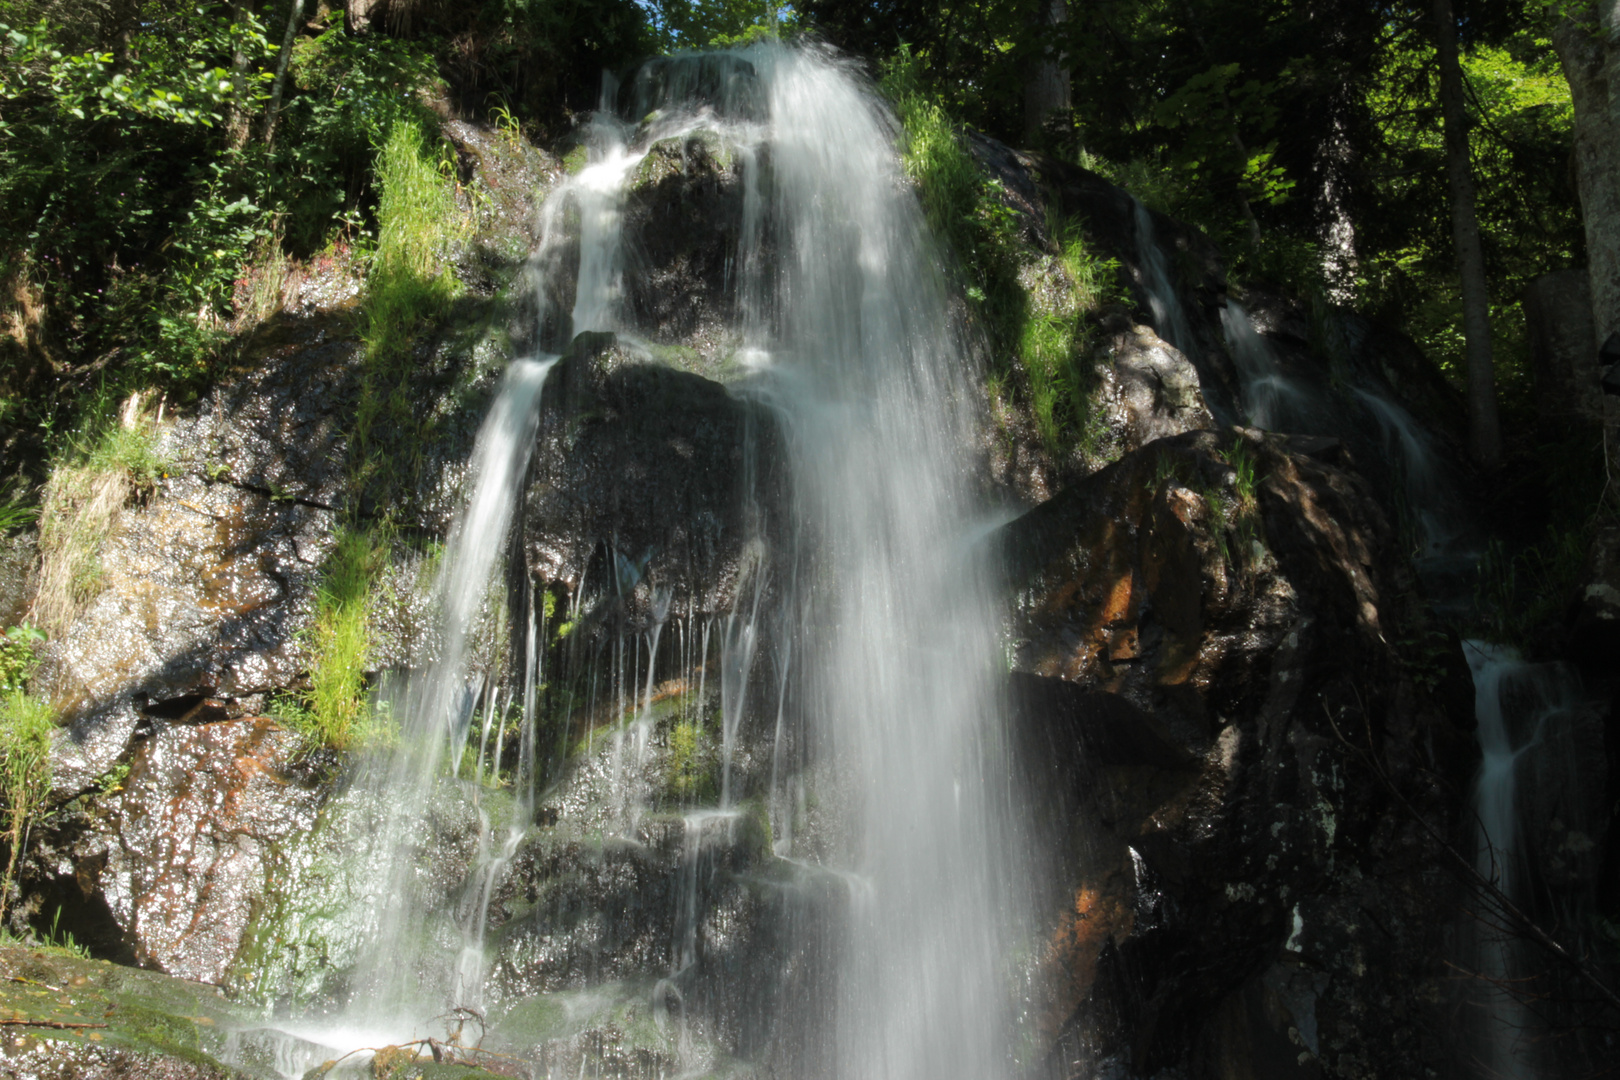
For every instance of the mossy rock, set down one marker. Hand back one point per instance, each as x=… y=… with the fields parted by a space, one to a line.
x=70 y=1017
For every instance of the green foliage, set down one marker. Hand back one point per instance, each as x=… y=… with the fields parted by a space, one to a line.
x=1213 y=106
x=121 y=195
x=408 y=285
x=355 y=93
x=697 y=24
x=333 y=711
x=1520 y=136
x=141 y=221
x=1521 y=592
x=1034 y=317
x=14 y=509
x=26 y=727
x=18 y=648
x=963 y=206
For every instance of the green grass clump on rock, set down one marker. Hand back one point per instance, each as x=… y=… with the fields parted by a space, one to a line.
x=333 y=710
x=26 y=726
x=408 y=286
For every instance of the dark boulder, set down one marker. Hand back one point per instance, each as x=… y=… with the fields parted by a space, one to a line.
x=1204 y=675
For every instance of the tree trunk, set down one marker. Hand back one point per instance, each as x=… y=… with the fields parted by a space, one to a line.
x=295 y=11
x=1046 y=86
x=360 y=15
x=237 y=121
x=1589 y=50
x=1588 y=44
x=1484 y=429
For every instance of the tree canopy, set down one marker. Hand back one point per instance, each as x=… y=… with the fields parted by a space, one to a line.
x=137 y=180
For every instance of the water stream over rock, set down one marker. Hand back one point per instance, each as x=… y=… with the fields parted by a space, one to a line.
x=880 y=612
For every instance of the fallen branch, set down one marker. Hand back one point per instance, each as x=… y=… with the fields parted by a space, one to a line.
x=58 y=1024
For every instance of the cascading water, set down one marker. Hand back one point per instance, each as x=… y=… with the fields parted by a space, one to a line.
x=875 y=385
x=881 y=618
x=1271 y=400
x=436 y=714
x=1429 y=492
x=1169 y=317
x=1515 y=702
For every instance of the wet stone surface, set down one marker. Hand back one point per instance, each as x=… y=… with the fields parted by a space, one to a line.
x=184 y=851
x=1186 y=670
x=204 y=591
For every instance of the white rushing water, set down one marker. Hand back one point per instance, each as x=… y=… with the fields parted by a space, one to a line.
x=882 y=616
x=875 y=384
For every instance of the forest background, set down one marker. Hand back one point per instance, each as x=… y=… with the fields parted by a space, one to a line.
x=161 y=164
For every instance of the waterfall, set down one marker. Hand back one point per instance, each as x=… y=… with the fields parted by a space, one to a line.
x=1271 y=400
x=436 y=714
x=877 y=613
x=1514 y=704
x=874 y=382
x=1429 y=492
x=1169 y=317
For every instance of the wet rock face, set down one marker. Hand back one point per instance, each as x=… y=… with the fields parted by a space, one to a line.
x=1036 y=184
x=204 y=590
x=181 y=853
x=204 y=587
x=1191 y=661
x=1151 y=390
x=646 y=474
x=682 y=218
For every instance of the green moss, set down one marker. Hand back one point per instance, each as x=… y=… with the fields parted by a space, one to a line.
x=688 y=772
x=157 y=1017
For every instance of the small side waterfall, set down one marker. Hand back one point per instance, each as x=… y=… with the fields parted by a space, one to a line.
x=1271 y=400
x=436 y=716
x=1515 y=702
x=1169 y=317
x=1429 y=492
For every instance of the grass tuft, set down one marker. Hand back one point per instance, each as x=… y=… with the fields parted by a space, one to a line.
x=334 y=710
x=26 y=727
x=409 y=284
x=114 y=457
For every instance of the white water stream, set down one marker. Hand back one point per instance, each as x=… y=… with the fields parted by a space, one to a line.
x=1514 y=702
x=890 y=631
x=1271 y=400
x=1169 y=317
x=874 y=382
